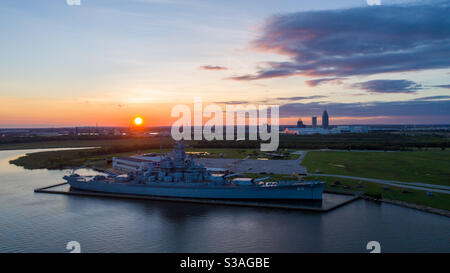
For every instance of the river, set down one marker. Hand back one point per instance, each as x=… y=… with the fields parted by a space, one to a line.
x=38 y=222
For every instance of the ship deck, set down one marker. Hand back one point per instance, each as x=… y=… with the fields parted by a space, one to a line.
x=330 y=201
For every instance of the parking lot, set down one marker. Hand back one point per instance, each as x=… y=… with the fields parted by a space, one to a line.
x=257 y=166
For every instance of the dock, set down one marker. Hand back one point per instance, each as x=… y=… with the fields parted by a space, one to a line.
x=331 y=200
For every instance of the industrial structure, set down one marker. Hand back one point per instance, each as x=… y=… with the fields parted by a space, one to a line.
x=136 y=162
x=303 y=129
x=314 y=122
x=325 y=121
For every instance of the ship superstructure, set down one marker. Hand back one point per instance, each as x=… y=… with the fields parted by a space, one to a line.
x=180 y=176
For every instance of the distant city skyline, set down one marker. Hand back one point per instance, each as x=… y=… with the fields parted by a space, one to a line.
x=325 y=120
x=107 y=61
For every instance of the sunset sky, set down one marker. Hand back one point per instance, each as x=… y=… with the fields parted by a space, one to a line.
x=106 y=61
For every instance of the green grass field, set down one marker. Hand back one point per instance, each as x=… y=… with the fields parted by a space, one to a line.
x=100 y=157
x=431 y=166
x=351 y=163
x=75 y=143
x=438 y=200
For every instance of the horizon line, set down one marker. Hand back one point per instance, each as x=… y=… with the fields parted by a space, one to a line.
x=292 y=125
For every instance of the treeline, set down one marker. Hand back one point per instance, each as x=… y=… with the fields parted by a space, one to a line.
x=341 y=142
x=34 y=139
x=372 y=141
x=111 y=146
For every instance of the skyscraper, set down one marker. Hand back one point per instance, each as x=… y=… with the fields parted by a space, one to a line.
x=314 y=122
x=300 y=123
x=325 y=123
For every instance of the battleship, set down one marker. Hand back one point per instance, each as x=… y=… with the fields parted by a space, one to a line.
x=178 y=175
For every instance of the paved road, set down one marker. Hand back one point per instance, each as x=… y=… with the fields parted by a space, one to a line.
x=408 y=185
x=291 y=166
x=257 y=166
x=430 y=188
x=426 y=185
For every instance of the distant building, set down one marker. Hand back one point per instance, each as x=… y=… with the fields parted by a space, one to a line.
x=325 y=122
x=134 y=163
x=47 y=134
x=300 y=123
x=314 y=122
x=311 y=131
x=138 y=162
x=302 y=129
x=354 y=129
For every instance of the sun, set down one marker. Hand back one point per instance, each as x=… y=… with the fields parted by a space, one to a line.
x=138 y=121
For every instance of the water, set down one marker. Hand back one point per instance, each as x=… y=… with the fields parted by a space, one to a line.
x=38 y=222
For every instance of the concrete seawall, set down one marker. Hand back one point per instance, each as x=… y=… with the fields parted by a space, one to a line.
x=331 y=200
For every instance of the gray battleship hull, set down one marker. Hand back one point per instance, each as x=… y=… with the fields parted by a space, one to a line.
x=303 y=191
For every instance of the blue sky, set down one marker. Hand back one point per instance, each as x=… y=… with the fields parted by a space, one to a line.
x=105 y=61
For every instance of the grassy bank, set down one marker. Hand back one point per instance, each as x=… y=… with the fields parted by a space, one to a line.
x=418 y=197
x=130 y=142
x=373 y=141
x=101 y=157
x=377 y=191
x=431 y=166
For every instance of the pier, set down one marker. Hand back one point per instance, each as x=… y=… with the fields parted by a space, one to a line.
x=331 y=200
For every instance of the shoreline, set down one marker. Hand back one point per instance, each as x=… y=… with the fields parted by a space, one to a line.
x=423 y=207
x=437 y=211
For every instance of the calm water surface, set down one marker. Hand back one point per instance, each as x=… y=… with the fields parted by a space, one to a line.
x=37 y=222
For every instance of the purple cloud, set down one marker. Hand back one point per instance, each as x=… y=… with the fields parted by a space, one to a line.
x=389 y=86
x=433 y=109
x=443 y=86
x=213 y=67
x=356 y=41
x=273 y=73
x=300 y=98
x=317 y=82
x=433 y=98
x=272 y=100
x=418 y=107
x=233 y=102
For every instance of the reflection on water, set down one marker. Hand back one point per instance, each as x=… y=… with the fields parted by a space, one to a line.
x=36 y=222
